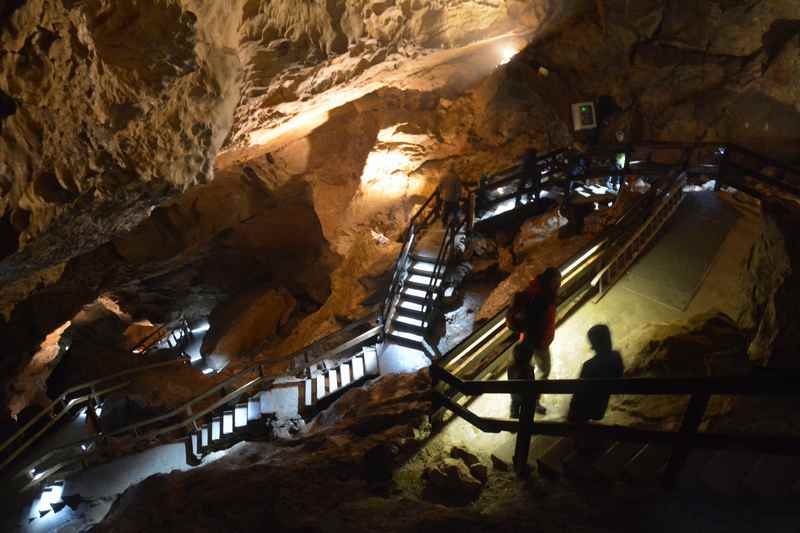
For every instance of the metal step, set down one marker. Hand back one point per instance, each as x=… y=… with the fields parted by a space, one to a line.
x=195 y=438
x=406 y=312
x=333 y=381
x=419 y=286
x=406 y=306
x=308 y=392
x=283 y=402
x=357 y=367
x=408 y=326
x=551 y=462
x=240 y=414
x=648 y=464
x=253 y=409
x=417 y=296
x=423 y=267
x=344 y=374
x=370 y=356
x=610 y=465
x=319 y=387
x=205 y=436
x=216 y=428
x=227 y=422
x=423 y=280
x=407 y=339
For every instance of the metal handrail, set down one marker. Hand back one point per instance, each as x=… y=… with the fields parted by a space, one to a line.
x=186 y=407
x=72 y=390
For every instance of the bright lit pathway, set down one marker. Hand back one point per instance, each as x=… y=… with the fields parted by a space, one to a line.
x=624 y=310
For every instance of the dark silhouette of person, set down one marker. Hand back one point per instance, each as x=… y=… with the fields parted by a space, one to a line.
x=606 y=364
x=530 y=181
x=450 y=190
x=520 y=369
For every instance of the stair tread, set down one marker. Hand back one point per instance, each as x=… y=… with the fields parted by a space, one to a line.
x=410 y=313
x=551 y=461
x=333 y=380
x=398 y=326
x=357 y=366
x=281 y=401
x=227 y=423
x=611 y=463
x=406 y=336
x=344 y=374
x=649 y=463
x=370 y=356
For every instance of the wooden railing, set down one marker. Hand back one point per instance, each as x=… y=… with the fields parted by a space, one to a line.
x=682 y=441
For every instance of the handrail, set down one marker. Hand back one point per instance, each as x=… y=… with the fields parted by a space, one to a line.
x=749 y=385
x=187 y=407
x=675 y=188
x=72 y=390
x=72 y=403
x=154 y=433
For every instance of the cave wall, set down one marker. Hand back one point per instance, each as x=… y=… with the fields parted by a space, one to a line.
x=773 y=285
x=117 y=105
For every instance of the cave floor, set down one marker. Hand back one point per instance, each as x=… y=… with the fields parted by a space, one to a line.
x=625 y=312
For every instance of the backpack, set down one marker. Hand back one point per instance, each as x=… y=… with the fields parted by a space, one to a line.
x=517 y=312
x=527 y=315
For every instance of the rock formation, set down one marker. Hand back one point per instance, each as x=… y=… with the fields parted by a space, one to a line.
x=773 y=288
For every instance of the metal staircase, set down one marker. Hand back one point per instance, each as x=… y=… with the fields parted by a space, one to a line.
x=282 y=399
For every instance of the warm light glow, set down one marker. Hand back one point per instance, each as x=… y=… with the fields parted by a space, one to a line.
x=507 y=53
x=384 y=172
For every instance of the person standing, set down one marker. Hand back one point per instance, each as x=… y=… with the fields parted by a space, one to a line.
x=450 y=191
x=539 y=325
x=520 y=369
x=530 y=181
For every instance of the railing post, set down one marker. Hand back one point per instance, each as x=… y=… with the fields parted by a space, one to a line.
x=683 y=444
x=522 y=446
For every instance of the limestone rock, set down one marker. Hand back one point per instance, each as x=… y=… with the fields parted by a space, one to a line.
x=499 y=464
x=451 y=483
x=706 y=345
x=469 y=458
x=773 y=286
x=245 y=322
x=115 y=106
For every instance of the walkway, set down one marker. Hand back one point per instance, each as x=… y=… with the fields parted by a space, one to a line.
x=625 y=310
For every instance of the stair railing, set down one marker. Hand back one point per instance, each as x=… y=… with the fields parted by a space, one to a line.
x=683 y=441
x=427 y=211
x=180 y=419
x=74 y=397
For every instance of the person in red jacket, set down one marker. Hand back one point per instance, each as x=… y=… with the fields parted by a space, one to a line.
x=540 y=323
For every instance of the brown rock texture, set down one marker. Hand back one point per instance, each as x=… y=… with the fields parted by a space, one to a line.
x=773 y=286
x=707 y=345
x=116 y=106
